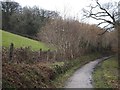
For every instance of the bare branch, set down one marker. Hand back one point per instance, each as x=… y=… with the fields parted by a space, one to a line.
x=102 y=19
x=106 y=26
x=105 y=31
x=105 y=11
x=107 y=14
x=100 y=23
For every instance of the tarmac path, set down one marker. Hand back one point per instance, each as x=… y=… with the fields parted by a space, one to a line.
x=82 y=78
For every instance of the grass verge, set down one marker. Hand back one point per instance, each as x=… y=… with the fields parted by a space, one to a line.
x=106 y=74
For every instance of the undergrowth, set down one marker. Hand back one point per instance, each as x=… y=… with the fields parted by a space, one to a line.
x=42 y=74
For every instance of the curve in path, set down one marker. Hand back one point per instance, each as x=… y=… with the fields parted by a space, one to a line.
x=82 y=78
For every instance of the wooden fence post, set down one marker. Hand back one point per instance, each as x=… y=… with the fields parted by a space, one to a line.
x=11 y=51
x=40 y=52
x=48 y=54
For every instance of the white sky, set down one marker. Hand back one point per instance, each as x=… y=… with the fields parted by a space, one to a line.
x=70 y=7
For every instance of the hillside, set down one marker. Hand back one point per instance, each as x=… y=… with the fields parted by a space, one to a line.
x=20 y=41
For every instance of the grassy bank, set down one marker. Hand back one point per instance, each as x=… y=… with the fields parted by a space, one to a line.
x=106 y=74
x=19 y=41
x=42 y=74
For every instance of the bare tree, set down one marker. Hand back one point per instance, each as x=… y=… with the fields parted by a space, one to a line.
x=106 y=13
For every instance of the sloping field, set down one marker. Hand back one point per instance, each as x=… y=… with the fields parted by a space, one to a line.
x=19 y=41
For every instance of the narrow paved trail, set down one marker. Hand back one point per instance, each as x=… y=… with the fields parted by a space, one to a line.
x=82 y=78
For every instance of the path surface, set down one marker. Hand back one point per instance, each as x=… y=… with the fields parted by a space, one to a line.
x=82 y=78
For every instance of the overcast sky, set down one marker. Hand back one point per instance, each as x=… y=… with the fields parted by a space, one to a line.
x=70 y=7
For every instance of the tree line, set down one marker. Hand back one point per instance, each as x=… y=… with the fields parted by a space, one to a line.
x=26 y=21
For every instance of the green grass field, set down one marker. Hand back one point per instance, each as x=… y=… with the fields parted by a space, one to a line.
x=106 y=74
x=19 y=41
